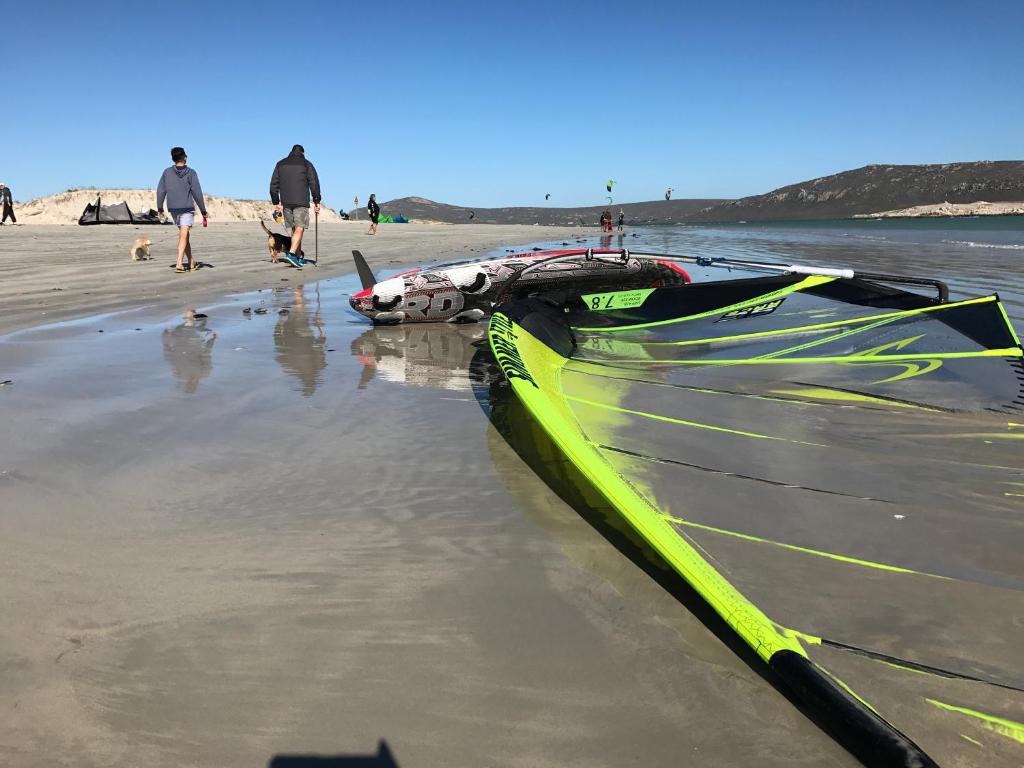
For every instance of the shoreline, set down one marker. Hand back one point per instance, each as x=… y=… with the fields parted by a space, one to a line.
x=76 y=272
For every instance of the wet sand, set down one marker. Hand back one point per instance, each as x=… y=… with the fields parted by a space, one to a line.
x=51 y=273
x=232 y=538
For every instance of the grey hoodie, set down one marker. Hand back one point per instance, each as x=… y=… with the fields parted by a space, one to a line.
x=180 y=186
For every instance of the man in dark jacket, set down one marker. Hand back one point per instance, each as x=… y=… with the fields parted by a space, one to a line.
x=293 y=182
x=7 y=204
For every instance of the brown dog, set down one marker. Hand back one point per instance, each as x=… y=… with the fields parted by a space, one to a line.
x=140 y=249
x=278 y=245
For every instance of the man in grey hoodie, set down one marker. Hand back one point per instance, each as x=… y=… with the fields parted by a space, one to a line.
x=179 y=185
x=293 y=182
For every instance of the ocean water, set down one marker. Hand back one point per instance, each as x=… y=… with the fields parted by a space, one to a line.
x=974 y=256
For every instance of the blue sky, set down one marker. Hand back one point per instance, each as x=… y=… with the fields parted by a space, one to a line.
x=491 y=104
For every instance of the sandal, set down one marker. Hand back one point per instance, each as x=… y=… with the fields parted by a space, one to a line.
x=180 y=270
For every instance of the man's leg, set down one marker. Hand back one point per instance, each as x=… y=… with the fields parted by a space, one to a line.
x=188 y=251
x=296 y=217
x=182 y=246
x=296 y=241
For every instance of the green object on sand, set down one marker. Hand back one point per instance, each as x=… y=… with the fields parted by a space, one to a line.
x=821 y=458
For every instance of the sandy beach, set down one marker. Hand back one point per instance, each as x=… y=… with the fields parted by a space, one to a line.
x=941 y=210
x=234 y=539
x=53 y=273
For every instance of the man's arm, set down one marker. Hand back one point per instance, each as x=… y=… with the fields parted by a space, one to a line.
x=197 y=192
x=275 y=185
x=314 y=182
x=161 y=194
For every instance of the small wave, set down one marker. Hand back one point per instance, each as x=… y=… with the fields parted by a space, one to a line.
x=998 y=246
x=864 y=237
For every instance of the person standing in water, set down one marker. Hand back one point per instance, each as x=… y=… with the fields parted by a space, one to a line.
x=7 y=204
x=293 y=182
x=179 y=186
x=374 y=211
x=622 y=218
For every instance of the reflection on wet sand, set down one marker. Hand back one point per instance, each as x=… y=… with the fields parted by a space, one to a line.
x=188 y=349
x=427 y=355
x=556 y=496
x=606 y=240
x=300 y=338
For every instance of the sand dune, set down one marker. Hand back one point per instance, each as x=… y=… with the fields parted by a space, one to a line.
x=66 y=207
x=980 y=208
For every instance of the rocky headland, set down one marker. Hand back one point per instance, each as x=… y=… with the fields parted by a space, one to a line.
x=874 y=188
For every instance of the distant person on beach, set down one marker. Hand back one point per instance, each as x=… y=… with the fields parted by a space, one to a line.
x=179 y=186
x=374 y=211
x=8 y=205
x=668 y=193
x=293 y=182
x=622 y=218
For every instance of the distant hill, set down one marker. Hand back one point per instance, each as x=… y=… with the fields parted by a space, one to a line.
x=654 y=212
x=876 y=188
x=890 y=190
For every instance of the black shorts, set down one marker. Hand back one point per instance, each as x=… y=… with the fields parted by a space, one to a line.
x=373 y=219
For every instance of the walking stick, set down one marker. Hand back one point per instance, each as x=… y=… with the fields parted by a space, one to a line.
x=316 y=238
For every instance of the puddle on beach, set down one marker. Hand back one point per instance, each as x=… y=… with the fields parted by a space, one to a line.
x=213 y=520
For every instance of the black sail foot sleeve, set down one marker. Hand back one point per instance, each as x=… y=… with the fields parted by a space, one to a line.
x=866 y=735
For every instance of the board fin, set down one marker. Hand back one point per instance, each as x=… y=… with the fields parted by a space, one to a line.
x=366 y=276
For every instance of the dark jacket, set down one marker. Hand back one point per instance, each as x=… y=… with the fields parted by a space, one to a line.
x=293 y=181
x=180 y=186
x=372 y=208
x=5 y=196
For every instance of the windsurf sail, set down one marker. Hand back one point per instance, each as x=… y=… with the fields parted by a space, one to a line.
x=366 y=276
x=833 y=464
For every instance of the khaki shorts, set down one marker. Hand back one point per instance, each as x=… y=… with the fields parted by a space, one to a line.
x=296 y=216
